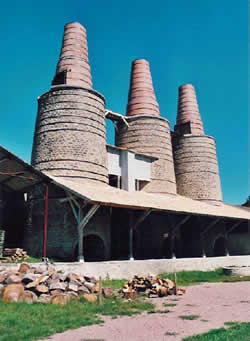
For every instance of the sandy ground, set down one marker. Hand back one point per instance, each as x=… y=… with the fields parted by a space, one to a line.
x=214 y=303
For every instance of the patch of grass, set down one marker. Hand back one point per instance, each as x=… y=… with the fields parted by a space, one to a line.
x=238 y=332
x=28 y=260
x=185 y=278
x=114 y=283
x=189 y=317
x=170 y=334
x=204 y=320
x=230 y=323
x=244 y=301
x=190 y=305
x=22 y=321
x=157 y=311
x=169 y=304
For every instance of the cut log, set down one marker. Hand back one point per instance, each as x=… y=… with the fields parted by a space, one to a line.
x=60 y=299
x=92 y=298
x=89 y=285
x=42 y=289
x=72 y=287
x=28 y=297
x=14 y=279
x=28 y=278
x=44 y=299
x=57 y=285
x=83 y=290
x=12 y=292
x=24 y=268
x=72 y=296
x=107 y=292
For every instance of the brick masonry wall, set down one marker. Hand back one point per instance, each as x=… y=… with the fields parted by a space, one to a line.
x=150 y=135
x=62 y=232
x=196 y=168
x=70 y=134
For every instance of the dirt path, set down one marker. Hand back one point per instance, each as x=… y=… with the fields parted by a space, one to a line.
x=214 y=303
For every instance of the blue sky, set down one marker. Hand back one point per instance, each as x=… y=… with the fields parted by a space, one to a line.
x=200 y=42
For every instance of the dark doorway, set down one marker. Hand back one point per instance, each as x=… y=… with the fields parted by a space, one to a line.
x=220 y=247
x=93 y=248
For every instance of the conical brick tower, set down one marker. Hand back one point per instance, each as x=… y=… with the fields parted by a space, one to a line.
x=195 y=159
x=188 y=111
x=141 y=98
x=73 y=64
x=148 y=133
x=70 y=134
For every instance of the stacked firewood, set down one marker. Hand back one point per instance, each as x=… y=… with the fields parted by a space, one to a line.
x=14 y=255
x=44 y=284
x=152 y=286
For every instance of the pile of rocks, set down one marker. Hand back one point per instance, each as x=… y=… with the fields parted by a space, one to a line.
x=46 y=285
x=152 y=286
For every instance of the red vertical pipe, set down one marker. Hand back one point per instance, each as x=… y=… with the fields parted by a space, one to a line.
x=45 y=221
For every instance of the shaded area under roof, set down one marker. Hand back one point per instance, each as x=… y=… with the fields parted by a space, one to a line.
x=110 y=196
x=17 y=175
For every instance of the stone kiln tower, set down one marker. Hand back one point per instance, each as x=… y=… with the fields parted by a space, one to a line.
x=70 y=134
x=148 y=133
x=196 y=165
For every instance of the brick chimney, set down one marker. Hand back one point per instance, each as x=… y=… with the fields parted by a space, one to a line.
x=70 y=134
x=147 y=132
x=195 y=159
x=188 y=115
x=73 y=66
x=141 y=98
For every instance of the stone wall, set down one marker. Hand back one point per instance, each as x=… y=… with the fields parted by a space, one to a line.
x=150 y=135
x=127 y=269
x=196 y=167
x=70 y=135
x=62 y=240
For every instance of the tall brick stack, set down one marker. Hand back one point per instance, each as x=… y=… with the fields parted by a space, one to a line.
x=195 y=159
x=148 y=133
x=70 y=134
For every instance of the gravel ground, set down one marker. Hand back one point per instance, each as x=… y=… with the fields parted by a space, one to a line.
x=214 y=303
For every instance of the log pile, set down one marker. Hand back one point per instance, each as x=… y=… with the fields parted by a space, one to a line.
x=14 y=255
x=152 y=286
x=44 y=284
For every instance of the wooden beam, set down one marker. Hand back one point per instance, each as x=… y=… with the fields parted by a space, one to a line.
x=141 y=218
x=74 y=211
x=180 y=223
x=210 y=225
x=88 y=216
x=234 y=226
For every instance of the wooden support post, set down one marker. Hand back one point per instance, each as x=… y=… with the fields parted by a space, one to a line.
x=131 y=256
x=173 y=246
x=226 y=245
x=203 y=247
x=100 y=291
x=83 y=221
x=175 y=283
x=174 y=228
x=80 y=246
x=45 y=221
x=77 y=210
